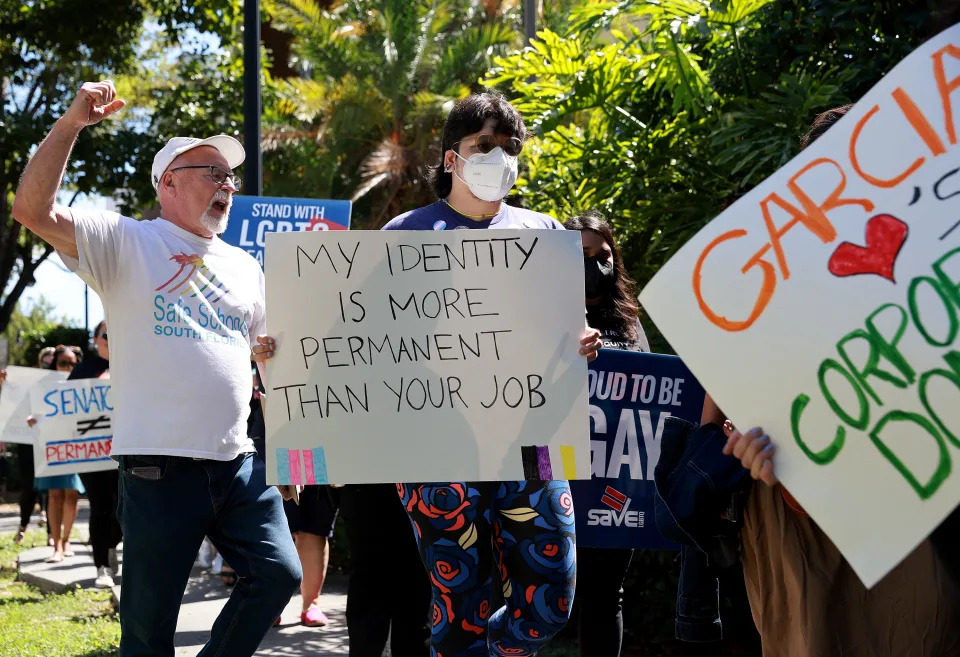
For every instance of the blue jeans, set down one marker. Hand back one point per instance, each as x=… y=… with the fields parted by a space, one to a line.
x=167 y=505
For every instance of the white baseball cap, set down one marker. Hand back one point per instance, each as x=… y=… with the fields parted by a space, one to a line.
x=229 y=147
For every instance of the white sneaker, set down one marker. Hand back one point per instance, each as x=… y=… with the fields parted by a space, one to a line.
x=104 y=578
x=112 y=559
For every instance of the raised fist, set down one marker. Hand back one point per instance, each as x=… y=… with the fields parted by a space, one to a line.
x=94 y=102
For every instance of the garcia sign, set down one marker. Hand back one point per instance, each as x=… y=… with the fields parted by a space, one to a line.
x=631 y=395
x=824 y=306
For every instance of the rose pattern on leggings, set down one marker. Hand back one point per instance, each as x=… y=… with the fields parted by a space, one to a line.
x=526 y=528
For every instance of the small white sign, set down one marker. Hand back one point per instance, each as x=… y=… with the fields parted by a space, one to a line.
x=74 y=427
x=15 y=401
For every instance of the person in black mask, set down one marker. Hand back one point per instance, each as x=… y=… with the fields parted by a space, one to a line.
x=612 y=310
x=611 y=294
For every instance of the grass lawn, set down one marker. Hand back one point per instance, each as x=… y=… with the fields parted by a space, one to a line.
x=81 y=623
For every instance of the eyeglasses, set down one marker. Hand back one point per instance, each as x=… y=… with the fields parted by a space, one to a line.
x=486 y=143
x=216 y=174
x=102 y=335
x=67 y=363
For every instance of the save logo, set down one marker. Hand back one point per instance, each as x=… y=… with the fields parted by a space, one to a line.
x=618 y=514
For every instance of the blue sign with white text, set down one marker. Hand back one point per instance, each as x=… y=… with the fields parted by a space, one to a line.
x=631 y=395
x=252 y=217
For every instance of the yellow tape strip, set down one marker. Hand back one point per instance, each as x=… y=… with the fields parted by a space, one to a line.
x=569 y=460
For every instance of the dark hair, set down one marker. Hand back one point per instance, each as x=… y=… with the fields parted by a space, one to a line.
x=99 y=328
x=622 y=304
x=822 y=123
x=466 y=118
x=62 y=349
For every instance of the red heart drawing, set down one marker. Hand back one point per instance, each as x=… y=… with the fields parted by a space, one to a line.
x=885 y=237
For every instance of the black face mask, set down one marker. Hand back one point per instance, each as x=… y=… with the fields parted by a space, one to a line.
x=599 y=277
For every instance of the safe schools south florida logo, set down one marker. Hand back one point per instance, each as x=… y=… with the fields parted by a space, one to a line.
x=188 y=305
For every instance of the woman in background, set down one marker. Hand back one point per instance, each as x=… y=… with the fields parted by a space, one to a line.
x=64 y=490
x=612 y=310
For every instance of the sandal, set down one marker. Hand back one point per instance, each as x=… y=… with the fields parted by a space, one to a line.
x=68 y=551
x=21 y=534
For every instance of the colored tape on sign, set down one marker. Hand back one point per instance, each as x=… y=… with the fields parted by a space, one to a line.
x=308 y=475
x=531 y=465
x=283 y=466
x=568 y=459
x=319 y=464
x=295 y=476
x=543 y=463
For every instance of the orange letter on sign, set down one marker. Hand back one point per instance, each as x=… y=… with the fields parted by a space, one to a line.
x=813 y=216
x=919 y=122
x=766 y=290
x=946 y=88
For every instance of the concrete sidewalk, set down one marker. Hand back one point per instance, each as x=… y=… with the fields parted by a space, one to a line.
x=202 y=601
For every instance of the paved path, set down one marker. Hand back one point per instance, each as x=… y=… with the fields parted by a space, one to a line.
x=202 y=601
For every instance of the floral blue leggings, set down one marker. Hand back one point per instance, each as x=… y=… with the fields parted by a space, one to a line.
x=527 y=526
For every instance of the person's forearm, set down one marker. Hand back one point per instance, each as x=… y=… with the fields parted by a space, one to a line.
x=43 y=175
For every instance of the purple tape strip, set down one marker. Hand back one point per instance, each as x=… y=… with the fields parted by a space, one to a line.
x=543 y=463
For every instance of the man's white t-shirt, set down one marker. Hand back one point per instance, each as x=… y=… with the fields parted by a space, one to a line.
x=182 y=313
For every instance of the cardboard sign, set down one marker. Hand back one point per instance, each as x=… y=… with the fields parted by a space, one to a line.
x=15 y=401
x=253 y=217
x=74 y=427
x=631 y=395
x=426 y=356
x=824 y=306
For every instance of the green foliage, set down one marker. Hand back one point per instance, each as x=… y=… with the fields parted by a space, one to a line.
x=37 y=319
x=34 y=624
x=379 y=78
x=661 y=114
x=32 y=341
x=48 y=49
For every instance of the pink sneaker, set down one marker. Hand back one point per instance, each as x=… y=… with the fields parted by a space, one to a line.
x=313 y=617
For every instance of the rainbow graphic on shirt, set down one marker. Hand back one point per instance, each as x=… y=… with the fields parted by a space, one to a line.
x=199 y=274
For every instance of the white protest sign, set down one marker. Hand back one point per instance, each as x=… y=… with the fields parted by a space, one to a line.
x=74 y=427
x=15 y=401
x=426 y=356
x=823 y=306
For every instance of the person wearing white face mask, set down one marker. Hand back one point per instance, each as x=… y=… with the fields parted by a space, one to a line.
x=482 y=138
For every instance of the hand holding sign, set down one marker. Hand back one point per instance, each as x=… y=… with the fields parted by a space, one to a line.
x=754 y=449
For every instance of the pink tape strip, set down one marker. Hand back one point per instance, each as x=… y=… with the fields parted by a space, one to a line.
x=308 y=467
x=295 y=467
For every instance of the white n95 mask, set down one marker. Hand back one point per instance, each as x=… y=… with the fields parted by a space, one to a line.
x=489 y=175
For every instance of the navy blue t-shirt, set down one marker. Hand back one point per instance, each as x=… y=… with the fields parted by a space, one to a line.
x=440 y=216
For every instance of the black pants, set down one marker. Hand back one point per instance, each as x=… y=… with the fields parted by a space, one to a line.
x=600 y=575
x=389 y=591
x=105 y=532
x=28 y=496
x=946 y=541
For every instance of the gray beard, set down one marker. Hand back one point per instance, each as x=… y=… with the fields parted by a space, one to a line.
x=214 y=224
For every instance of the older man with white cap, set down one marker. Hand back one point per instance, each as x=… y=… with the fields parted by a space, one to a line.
x=184 y=310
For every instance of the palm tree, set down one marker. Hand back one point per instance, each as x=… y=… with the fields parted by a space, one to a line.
x=378 y=78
